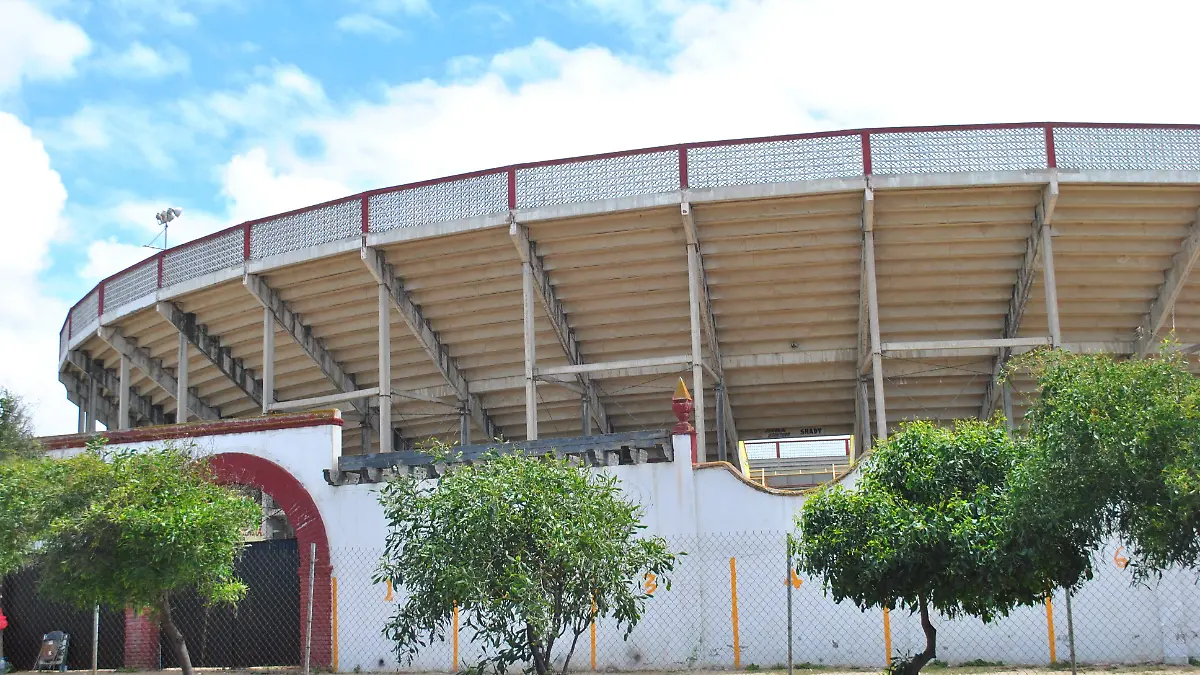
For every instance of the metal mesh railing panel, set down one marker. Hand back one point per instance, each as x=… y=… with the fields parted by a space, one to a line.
x=439 y=202
x=1127 y=149
x=134 y=283
x=597 y=179
x=203 y=257
x=342 y=220
x=797 y=447
x=775 y=161
x=85 y=312
x=958 y=150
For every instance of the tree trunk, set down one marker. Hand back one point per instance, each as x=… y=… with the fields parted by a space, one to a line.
x=918 y=662
x=574 y=642
x=174 y=636
x=541 y=661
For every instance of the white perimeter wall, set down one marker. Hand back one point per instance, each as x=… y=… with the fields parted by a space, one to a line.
x=714 y=516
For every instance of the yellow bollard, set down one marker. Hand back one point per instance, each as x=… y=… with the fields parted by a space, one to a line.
x=1050 y=630
x=454 y=667
x=737 y=645
x=335 y=625
x=887 y=635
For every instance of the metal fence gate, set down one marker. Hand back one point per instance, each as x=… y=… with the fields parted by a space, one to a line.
x=264 y=628
x=31 y=615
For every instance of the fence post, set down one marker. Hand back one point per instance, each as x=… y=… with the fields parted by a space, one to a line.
x=95 y=638
x=787 y=580
x=737 y=646
x=312 y=575
x=1071 y=632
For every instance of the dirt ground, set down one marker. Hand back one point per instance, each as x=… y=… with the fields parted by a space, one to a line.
x=1146 y=669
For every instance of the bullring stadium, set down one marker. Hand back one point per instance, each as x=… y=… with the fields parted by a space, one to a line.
x=825 y=284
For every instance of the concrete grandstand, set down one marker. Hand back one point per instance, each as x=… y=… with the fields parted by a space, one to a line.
x=827 y=284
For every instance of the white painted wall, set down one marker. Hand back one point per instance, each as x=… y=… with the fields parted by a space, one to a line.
x=713 y=516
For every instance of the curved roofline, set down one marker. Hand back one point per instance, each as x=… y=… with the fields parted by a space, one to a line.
x=1049 y=149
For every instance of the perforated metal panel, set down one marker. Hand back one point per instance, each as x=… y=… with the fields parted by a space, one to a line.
x=597 y=179
x=787 y=448
x=1127 y=149
x=310 y=228
x=132 y=284
x=958 y=150
x=86 y=312
x=439 y=202
x=217 y=253
x=775 y=161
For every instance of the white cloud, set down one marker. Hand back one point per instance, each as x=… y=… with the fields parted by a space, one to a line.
x=760 y=67
x=142 y=62
x=182 y=129
x=640 y=14
x=254 y=189
x=265 y=102
x=411 y=7
x=35 y=45
x=154 y=15
x=33 y=195
x=365 y=24
x=109 y=256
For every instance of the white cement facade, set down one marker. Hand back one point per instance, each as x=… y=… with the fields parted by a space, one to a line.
x=715 y=516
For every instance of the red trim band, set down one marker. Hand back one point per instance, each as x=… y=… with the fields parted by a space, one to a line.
x=198 y=429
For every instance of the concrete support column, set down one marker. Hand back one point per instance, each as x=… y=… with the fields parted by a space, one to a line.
x=1006 y=394
x=585 y=415
x=181 y=376
x=527 y=300
x=697 y=355
x=876 y=345
x=93 y=393
x=464 y=423
x=268 y=369
x=722 y=441
x=1050 y=284
x=81 y=424
x=385 y=370
x=123 y=420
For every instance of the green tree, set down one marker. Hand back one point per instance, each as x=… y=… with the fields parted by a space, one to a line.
x=1116 y=451
x=523 y=547
x=154 y=523
x=16 y=430
x=930 y=526
x=33 y=492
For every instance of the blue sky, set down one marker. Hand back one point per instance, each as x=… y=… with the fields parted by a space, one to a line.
x=111 y=110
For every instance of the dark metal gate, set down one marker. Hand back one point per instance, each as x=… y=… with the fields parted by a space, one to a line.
x=264 y=628
x=30 y=616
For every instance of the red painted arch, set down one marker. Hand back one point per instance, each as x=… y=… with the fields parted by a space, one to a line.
x=236 y=468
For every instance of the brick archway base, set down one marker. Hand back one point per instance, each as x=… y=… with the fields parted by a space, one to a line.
x=236 y=468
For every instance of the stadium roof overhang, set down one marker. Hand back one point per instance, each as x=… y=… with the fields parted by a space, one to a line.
x=835 y=282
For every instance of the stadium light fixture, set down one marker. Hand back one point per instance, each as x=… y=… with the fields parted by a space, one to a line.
x=164 y=218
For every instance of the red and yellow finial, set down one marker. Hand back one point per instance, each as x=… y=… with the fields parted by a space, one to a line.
x=681 y=391
x=681 y=405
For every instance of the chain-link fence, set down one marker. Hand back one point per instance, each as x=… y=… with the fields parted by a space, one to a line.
x=733 y=604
